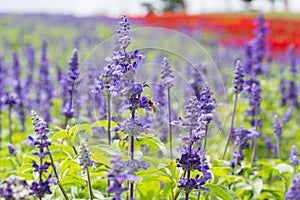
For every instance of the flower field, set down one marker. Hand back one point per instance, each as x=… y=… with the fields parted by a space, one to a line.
x=161 y=107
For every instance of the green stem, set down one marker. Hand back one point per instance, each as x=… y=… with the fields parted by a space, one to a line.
x=170 y=126
x=176 y=194
x=254 y=139
x=10 y=124
x=89 y=183
x=278 y=148
x=231 y=125
x=131 y=185
x=108 y=119
x=56 y=175
x=205 y=136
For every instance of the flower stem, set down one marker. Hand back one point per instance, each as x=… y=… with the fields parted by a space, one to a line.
x=131 y=158
x=176 y=194
x=10 y=123
x=108 y=128
x=254 y=139
x=56 y=175
x=70 y=103
x=170 y=127
x=131 y=193
x=231 y=125
x=89 y=183
x=205 y=136
x=0 y=127
x=108 y=118
x=199 y=194
x=188 y=179
x=278 y=148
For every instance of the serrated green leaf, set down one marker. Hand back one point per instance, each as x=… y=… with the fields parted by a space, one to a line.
x=222 y=192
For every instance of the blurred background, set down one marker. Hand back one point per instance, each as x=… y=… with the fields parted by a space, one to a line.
x=141 y=7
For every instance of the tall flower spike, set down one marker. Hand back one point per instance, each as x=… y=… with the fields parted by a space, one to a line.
x=68 y=110
x=166 y=73
x=30 y=54
x=277 y=128
x=124 y=37
x=73 y=65
x=42 y=187
x=19 y=90
x=293 y=88
x=294 y=160
x=192 y=157
x=208 y=103
x=238 y=80
x=294 y=192
x=119 y=173
x=85 y=157
x=254 y=103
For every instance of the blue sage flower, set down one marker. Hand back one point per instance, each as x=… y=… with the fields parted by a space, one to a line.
x=68 y=110
x=14 y=188
x=85 y=157
x=294 y=160
x=42 y=187
x=118 y=175
x=277 y=127
x=207 y=104
x=11 y=149
x=166 y=73
x=294 y=192
x=241 y=136
x=193 y=156
x=238 y=80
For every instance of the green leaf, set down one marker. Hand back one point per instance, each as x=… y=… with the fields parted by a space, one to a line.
x=104 y=123
x=8 y=162
x=257 y=185
x=284 y=168
x=102 y=154
x=221 y=172
x=222 y=192
x=74 y=130
x=24 y=168
x=277 y=194
x=72 y=180
x=154 y=143
x=59 y=135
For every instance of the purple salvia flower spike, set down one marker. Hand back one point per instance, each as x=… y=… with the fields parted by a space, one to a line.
x=294 y=192
x=118 y=175
x=277 y=128
x=238 y=80
x=42 y=187
x=193 y=157
x=294 y=160
x=166 y=73
x=68 y=110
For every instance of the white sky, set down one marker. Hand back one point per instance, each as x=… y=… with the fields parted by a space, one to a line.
x=131 y=7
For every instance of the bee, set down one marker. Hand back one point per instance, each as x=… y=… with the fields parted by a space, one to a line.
x=153 y=105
